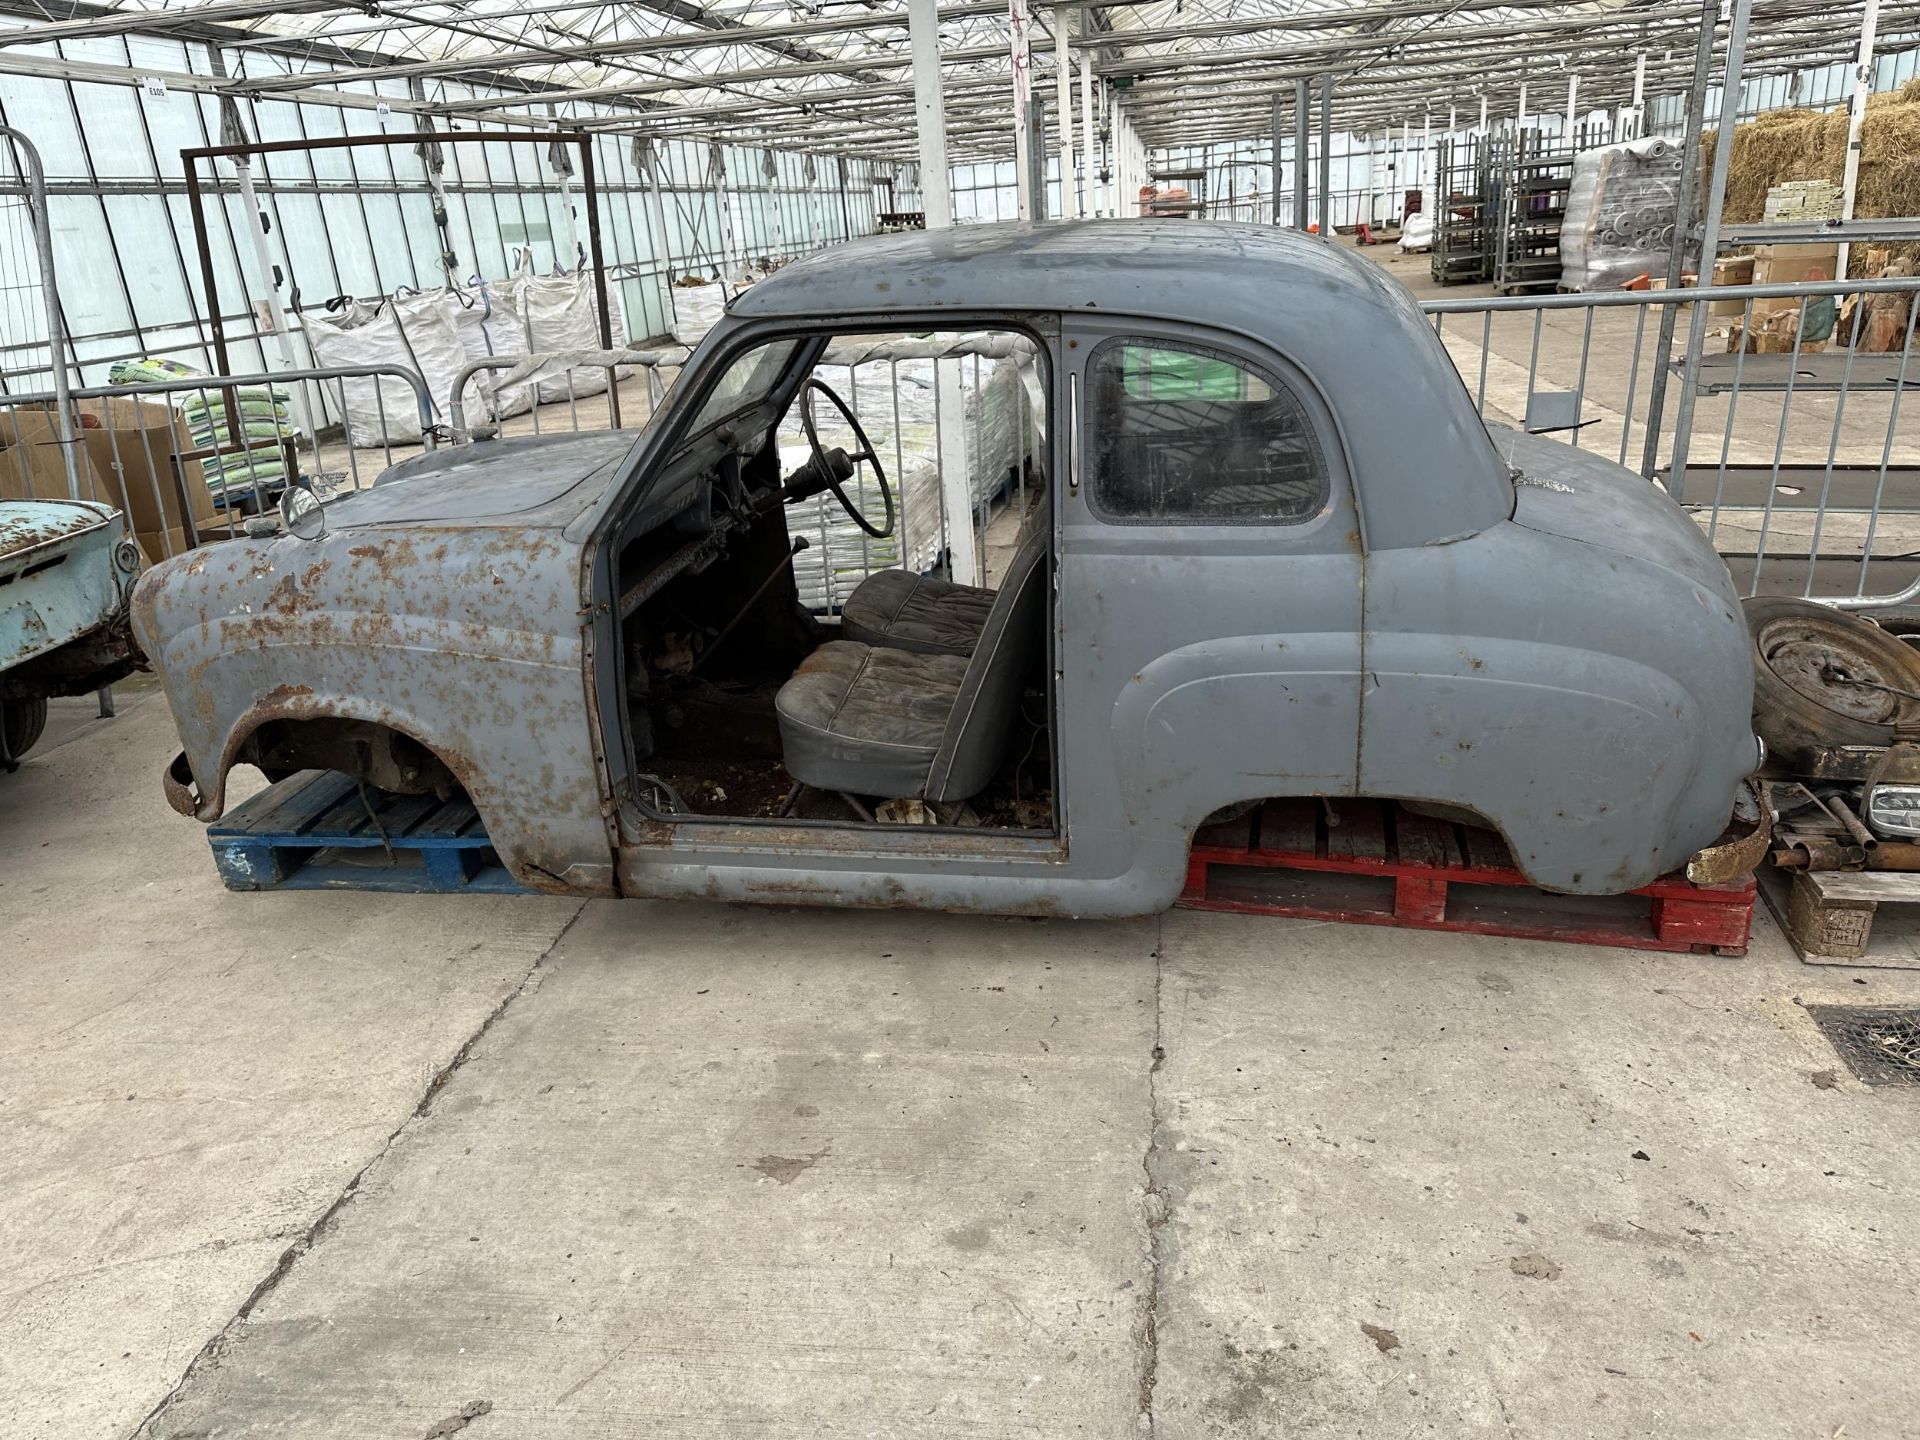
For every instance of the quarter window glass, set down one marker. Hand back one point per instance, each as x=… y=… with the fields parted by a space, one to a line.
x=1179 y=433
x=747 y=382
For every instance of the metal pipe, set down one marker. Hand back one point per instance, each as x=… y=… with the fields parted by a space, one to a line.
x=50 y=297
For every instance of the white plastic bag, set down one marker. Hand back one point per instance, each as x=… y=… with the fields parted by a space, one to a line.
x=383 y=409
x=1416 y=232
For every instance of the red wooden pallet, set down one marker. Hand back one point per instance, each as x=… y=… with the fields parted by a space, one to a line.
x=1377 y=863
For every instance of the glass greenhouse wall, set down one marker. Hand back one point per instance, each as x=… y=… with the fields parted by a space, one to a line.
x=358 y=222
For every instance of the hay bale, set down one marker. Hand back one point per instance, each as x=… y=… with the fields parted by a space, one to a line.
x=1777 y=146
x=1783 y=145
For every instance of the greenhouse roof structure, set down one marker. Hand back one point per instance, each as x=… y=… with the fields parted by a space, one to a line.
x=836 y=76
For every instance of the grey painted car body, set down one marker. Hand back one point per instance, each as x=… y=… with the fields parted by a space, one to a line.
x=1564 y=655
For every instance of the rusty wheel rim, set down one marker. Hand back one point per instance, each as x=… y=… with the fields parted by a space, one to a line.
x=1840 y=670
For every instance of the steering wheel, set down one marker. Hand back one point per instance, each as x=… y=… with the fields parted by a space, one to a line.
x=865 y=452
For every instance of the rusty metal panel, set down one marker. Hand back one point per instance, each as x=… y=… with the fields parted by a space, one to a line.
x=463 y=636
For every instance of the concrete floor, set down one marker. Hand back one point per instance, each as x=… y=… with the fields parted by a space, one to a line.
x=356 y=1165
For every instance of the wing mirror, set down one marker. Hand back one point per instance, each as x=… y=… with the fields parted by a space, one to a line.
x=301 y=513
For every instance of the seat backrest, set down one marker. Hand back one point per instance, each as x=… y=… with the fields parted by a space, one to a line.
x=989 y=701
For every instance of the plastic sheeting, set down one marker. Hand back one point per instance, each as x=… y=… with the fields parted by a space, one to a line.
x=1416 y=232
x=1620 y=214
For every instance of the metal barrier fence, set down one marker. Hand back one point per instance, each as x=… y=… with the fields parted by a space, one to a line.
x=1794 y=460
x=1792 y=454
x=188 y=459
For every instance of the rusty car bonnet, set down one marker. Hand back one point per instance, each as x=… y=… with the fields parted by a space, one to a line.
x=28 y=525
x=543 y=480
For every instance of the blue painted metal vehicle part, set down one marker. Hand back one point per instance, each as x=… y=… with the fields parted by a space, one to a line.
x=59 y=579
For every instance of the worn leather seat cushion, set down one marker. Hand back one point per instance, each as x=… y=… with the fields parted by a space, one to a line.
x=867 y=719
x=903 y=611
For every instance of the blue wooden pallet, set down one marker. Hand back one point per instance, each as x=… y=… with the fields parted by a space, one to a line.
x=319 y=830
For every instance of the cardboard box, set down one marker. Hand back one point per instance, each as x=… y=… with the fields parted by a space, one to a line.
x=31 y=467
x=158 y=545
x=1731 y=270
x=137 y=447
x=1790 y=265
x=1659 y=282
x=1774 y=334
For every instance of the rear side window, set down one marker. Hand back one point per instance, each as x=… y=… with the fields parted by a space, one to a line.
x=1182 y=433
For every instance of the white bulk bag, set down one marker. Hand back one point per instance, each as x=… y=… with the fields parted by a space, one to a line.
x=490 y=324
x=561 y=312
x=697 y=306
x=383 y=410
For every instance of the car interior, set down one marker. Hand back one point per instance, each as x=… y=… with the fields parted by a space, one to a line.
x=795 y=647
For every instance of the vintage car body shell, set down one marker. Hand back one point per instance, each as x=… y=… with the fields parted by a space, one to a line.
x=66 y=567
x=58 y=576
x=1562 y=655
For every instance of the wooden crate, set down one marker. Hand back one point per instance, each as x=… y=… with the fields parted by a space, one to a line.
x=1848 y=917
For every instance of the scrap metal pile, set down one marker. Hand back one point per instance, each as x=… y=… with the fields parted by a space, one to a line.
x=1837 y=700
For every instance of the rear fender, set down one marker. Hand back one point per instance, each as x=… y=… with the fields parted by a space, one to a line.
x=1586 y=765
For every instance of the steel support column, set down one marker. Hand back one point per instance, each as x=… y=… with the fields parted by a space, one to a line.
x=1682 y=228
x=1326 y=157
x=936 y=199
x=1856 y=119
x=1300 y=126
x=1709 y=244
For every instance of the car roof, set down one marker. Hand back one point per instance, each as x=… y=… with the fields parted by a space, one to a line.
x=1153 y=267
x=1425 y=467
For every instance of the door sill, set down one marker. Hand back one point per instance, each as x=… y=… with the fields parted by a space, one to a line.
x=798 y=838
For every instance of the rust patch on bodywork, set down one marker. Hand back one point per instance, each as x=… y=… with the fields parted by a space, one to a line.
x=1731 y=858
x=177 y=783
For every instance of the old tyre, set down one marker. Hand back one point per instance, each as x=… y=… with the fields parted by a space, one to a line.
x=21 y=722
x=1824 y=677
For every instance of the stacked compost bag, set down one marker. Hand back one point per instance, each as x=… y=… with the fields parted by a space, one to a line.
x=1620 y=214
x=256 y=456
